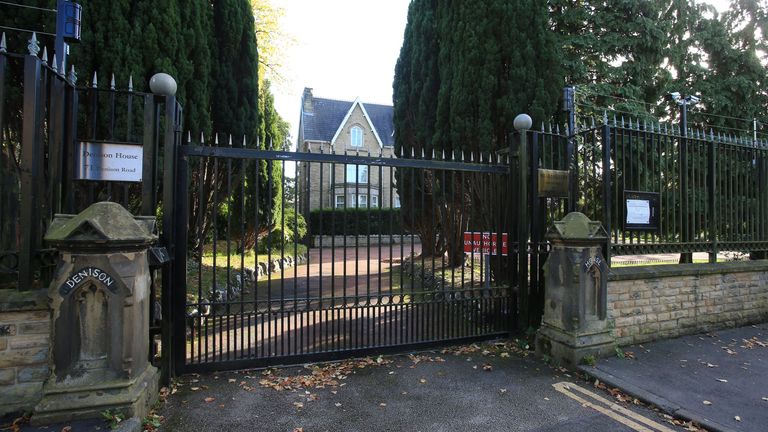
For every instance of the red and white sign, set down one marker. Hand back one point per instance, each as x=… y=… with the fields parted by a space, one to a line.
x=485 y=243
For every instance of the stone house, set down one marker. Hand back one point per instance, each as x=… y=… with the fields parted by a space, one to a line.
x=345 y=128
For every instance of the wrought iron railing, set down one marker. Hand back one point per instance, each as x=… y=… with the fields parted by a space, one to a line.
x=711 y=189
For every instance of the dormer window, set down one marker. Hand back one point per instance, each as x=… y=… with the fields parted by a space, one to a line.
x=357 y=136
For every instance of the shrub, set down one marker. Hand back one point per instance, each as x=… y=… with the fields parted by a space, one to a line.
x=356 y=221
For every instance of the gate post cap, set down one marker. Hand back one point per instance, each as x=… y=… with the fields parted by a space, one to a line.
x=577 y=226
x=162 y=84
x=100 y=224
x=522 y=121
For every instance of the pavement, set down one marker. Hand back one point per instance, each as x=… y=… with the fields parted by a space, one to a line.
x=481 y=387
x=718 y=380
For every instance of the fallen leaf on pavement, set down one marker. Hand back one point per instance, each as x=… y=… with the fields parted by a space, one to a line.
x=382 y=404
x=706 y=402
x=209 y=399
x=487 y=367
x=338 y=404
x=722 y=380
x=423 y=381
x=765 y=399
x=298 y=405
x=231 y=380
x=737 y=418
x=66 y=429
x=298 y=429
x=502 y=390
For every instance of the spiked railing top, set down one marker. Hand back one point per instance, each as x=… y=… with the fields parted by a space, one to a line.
x=34 y=46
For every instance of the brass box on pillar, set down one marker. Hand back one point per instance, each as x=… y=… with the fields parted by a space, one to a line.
x=100 y=325
x=574 y=325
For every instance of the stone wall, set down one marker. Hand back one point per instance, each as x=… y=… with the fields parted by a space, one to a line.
x=364 y=241
x=24 y=349
x=665 y=301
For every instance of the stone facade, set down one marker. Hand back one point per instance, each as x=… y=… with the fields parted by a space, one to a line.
x=25 y=322
x=328 y=183
x=657 y=302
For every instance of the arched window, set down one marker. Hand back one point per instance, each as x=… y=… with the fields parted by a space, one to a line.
x=357 y=136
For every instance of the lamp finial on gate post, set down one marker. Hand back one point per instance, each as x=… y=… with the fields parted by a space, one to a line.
x=522 y=121
x=162 y=84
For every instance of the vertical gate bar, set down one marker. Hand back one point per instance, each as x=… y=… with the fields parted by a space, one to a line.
x=344 y=269
x=31 y=158
x=4 y=217
x=56 y=142
x=522 y=230
x=409 y=314
x=228 y=298
x=272 y=338
x=693 y=151
x=214 y=249
x=259 y=329
x=645 y=167
x=201 y=209
x=442 y=265
x=285 y=341
x=180 y=258
x=684 y=189
x=391 y=256
x=296 y=311
x=538 y=298
x=241 y=247
x=380 y=227
x=148 y=186
x=334 y=344
x=606 y=132
x=368 y=242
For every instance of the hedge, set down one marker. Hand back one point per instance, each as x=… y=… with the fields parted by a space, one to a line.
x=356 y=221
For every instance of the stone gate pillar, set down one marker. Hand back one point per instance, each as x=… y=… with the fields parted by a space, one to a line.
x=574 y=325
x=100 y=316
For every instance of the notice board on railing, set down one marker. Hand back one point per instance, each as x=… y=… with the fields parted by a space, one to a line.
x=641 y=211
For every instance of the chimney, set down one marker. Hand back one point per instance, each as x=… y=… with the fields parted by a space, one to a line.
x=307 y=103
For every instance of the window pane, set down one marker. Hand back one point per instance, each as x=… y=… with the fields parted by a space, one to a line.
x=374 y=200
x=350 y=173
x=363 y=200
x=357 y=171
x=339 y=201
x=357 y=137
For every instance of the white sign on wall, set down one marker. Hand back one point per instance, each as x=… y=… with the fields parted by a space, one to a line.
x=108 y=161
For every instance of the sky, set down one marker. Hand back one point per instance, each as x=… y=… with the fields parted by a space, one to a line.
x=343 y=49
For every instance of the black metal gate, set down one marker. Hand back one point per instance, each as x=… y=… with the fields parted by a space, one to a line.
x=253 y=289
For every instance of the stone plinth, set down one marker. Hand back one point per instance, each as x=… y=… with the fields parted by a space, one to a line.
x=100 y=316
x=574 y=326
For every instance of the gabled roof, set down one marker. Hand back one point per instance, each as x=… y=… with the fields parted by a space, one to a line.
x=328 y=115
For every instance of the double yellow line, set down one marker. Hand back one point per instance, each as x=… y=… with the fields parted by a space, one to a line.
x=609 y=408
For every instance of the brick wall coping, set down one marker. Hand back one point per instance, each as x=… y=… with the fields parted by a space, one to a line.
x=12 y=300
x=673 y=270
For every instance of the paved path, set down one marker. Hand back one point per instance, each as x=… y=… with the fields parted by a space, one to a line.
x=727 y=369
x=425 y=394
